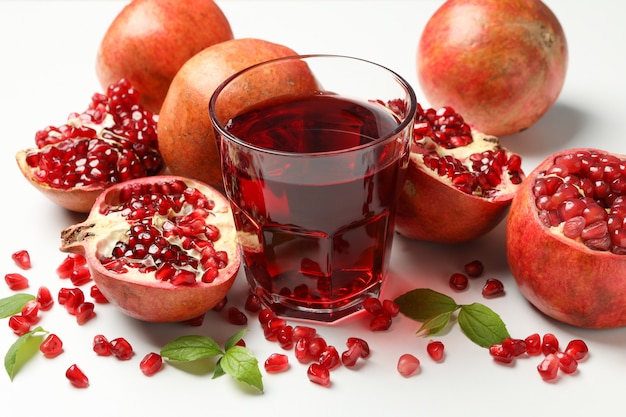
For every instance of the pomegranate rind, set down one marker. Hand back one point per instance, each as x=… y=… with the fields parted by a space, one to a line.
x=184 y=123
x=561 y=277
x=142 y=296
x=78 y=199
x=502 y=64
x=431 y=209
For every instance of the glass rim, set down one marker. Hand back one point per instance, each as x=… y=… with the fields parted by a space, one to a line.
x=409 y=118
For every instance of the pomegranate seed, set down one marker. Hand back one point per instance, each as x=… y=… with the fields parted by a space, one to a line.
x=51 y=346
x=548 y=368
x=30 y=311
x=533 y=344
x=77 y=377
x=350 y=357
x=517 y=347
x=577 y=349
x=84 y=312
x=408 y=365
x=391 y=308
x=373 y=306
x=301 y=351
x=458 y=281
x=365 y=348
x=276 y=362
x=196 y=321
x=380 y=323
x=567 y=363
x=549 y=344
x=304 y=331
x=80 y=276
x=435 y=350
x=151 y=364
x=284 y=337
x=316 y=346
x=236 y=316
x=493 y=288
x=22 y=259
x=253 y=303
x=241 y=343
x=121 y=349
x=101 y=345
x=16 y=281
x=273 y=327
x=474 y=269
x=97 y=295
x=71 y=298
x=65 y=268
x=500 y=354
x=20 y=325
x=318 y=374
x=44 y=299
x=265 y=315
x=329 y=358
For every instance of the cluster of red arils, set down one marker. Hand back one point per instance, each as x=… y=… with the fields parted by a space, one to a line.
x=459 y=281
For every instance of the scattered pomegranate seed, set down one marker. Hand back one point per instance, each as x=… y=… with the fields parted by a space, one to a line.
x=273 y=327
x=101 y=345
x=71 y=298
x=22 y=259
x=435 y=350
x=80 y=276
x=84 y=312
x=19 y=324
x=151 y=364
x=253 y=303
x=577 y=349
x=16 y=281
x=567 y=363
x=236 y=316
x=493 y=288
x=549 y=344
x=65 y=268
x=284 y=337
x=373 y=306
x=304 y=331
x=365 y=348
x=350 y=357
x=30 y=311
x=548 y=368
x=97 y=295
x=77 y=377
x=517 y=347
x=121 y=349
x=391 y=308
x=301 y=351
x=458 y=281
x=318 y=374
x=51 y=346
x=380 y=323
x=44 y=299
x=500 y=354
x=316 y=346
x=474 y=269
x=329 y=358
x=265 y=315
x=276 y=362
x=408 y=365
x=533 y=344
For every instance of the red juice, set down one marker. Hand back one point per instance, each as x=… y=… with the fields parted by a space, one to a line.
x=314 y=201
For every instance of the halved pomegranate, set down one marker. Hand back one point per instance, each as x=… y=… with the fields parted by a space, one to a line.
x=161 y=248
x=566 y=239
x=113 y=140
x=460 y=182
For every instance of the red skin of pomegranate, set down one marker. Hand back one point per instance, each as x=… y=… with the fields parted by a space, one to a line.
x=561 y=277
x=501 y=64
x=150 y=299
x=186 y=137
x=149 y=40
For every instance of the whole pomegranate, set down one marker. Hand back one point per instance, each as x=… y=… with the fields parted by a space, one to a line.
x=186 y=139
x=501 y=64
x=149 y=40
x=113 y=140
x=459 y=183
x=162 y=248
x=566 y=240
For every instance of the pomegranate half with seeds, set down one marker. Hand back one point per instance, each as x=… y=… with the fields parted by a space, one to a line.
x=459 y=183
x=566 y=239
x=113 y=140
x=161 y=248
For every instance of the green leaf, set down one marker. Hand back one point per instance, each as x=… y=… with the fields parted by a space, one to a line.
x=240 y=364
x=423 y=304
x=191 y=348
x=482 y=325
x=232 y=341
x=219 y=371
x=13 y=304
x=22 y=350
x=436 y=324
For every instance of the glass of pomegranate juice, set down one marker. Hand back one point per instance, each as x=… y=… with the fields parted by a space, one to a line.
x=313 y=151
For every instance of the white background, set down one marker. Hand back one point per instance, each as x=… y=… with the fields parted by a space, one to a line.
x=47 y=55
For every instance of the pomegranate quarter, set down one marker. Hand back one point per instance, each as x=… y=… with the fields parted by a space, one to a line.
x=566 y=239
x=460 y=182
x=161 y=248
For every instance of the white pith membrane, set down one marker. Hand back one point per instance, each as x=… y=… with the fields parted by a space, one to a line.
x=114 y=226
x=480 y=143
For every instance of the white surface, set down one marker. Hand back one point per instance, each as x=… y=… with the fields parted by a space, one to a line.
x=48 y=52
